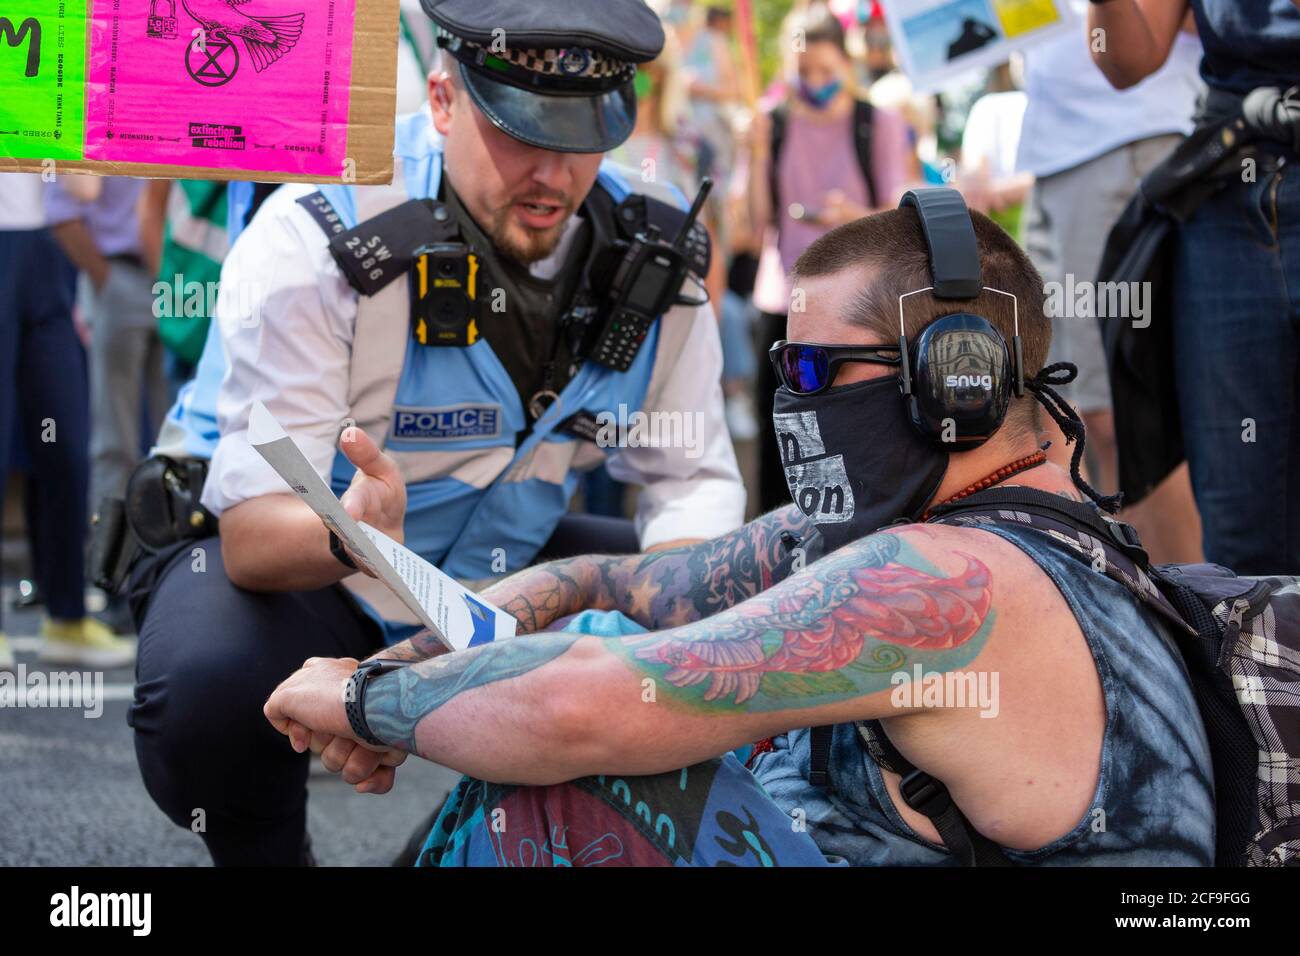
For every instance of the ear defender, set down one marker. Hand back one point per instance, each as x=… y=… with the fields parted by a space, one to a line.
x=961 y=381
x=958 y=377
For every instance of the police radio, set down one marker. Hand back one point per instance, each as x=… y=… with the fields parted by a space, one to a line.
x=646 y=284
x=444 y=295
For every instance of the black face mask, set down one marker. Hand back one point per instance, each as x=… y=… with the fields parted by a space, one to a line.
x=852 y=459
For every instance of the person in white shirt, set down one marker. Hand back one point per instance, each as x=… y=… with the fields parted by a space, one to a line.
x=1088 y=146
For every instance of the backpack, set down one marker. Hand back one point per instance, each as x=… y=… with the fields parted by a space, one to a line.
x=863 y=125
x=1239 y=638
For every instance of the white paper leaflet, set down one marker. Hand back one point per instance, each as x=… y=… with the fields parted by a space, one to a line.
x=456 y=616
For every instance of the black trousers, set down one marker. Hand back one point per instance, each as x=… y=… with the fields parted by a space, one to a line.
x=209 y=656
x=43 y=380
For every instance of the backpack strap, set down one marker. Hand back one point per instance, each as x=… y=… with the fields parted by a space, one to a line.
x=1112 y=547
x=1050 y=506
x=920 y=791
x=779 y=116
x=928 y=797
x=819 y=757
x=864 y=121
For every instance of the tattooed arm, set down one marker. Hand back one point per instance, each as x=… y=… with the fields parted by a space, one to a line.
x=818 y=648
x=657 y=590
x=660 y=589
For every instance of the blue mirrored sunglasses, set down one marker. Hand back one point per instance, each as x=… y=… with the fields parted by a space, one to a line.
x=806 y=369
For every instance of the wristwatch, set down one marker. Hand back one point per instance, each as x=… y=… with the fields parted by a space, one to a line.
x=354 y=695
x=340 y=552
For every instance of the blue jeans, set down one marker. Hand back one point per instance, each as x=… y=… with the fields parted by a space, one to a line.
x=711 y=814
x=44 y=397
x=1237 y=351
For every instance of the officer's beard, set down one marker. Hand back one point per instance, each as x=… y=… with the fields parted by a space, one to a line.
x=521 y=243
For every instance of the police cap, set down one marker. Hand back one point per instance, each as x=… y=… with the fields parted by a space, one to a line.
x=554 y=75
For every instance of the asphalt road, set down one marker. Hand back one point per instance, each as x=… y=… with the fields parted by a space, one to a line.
x=71 y=794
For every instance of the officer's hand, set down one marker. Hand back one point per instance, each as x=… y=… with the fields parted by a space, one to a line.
x=377 y=494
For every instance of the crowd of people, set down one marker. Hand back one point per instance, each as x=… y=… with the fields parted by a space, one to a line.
x=107 y=322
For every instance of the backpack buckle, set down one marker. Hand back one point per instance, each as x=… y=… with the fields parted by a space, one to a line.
x=1124 y=533
x=1127 y=538
x=924 y=794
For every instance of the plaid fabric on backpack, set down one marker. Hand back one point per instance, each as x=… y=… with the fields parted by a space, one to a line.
x=1240 y=640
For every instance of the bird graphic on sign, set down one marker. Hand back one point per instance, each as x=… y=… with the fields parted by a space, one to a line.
x=266 y=38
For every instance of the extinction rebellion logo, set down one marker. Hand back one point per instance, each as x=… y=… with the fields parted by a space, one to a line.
x=217 y=136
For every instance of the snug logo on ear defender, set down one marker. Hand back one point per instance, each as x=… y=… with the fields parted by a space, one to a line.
x=969 y=381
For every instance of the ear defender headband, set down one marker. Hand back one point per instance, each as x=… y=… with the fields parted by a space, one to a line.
x=958 y=376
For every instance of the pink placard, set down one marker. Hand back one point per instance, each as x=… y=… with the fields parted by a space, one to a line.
x=232 y=84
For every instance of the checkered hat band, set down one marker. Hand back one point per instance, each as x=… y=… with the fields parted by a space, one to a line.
x=570 y=63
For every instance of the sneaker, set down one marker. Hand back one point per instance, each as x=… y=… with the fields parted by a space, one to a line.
x=88 y=642
x=740 y=417
x=117 y=615
x=6 y=655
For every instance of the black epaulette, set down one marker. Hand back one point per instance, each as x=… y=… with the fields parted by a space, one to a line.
x=383 y=248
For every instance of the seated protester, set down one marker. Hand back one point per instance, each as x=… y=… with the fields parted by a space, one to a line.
x=1085 y=745
x=467 y=448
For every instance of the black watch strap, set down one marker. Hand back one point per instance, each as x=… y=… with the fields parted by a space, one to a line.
x=354 y=696
x=341 y=553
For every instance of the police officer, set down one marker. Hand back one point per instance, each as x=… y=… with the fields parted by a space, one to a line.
x=452 y=352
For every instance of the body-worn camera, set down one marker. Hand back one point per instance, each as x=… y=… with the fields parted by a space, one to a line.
x=444 y=295
x=646 y=284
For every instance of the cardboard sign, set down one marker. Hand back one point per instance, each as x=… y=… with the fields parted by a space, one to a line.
x=268 y=90
x=42 y=78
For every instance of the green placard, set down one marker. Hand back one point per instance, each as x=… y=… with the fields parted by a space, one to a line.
x=42 y=78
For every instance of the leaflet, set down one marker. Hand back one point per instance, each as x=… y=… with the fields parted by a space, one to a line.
x=456 y=616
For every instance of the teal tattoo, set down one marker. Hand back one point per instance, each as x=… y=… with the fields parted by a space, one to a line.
x=397 y=701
